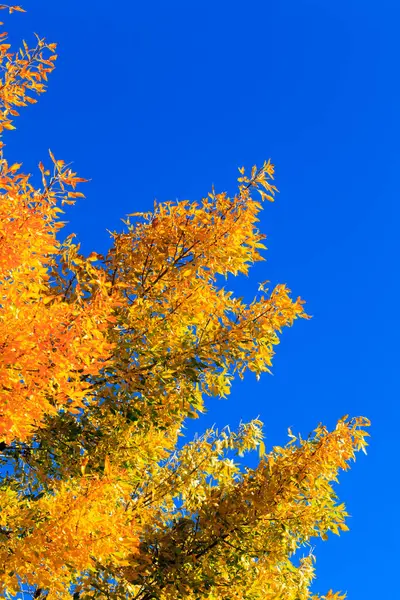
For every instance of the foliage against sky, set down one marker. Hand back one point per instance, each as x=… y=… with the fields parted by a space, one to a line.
x=104 y=357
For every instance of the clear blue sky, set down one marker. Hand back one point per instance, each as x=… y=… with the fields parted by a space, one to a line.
x=162 y=100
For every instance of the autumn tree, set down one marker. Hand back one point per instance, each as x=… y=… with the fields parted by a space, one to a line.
x=103 y=358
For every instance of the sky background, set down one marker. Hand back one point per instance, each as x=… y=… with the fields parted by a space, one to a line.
x=162 y=100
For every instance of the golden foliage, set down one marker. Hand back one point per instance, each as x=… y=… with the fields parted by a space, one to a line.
x=102 y=360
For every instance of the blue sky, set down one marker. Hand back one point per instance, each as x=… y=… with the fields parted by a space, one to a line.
x=162 y=100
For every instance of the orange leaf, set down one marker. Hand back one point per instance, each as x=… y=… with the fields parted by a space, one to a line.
x=76 y=195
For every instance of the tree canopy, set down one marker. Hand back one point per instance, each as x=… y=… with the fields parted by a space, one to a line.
x=104 y=357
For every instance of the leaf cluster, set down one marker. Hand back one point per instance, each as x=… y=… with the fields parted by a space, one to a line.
x=103 y=358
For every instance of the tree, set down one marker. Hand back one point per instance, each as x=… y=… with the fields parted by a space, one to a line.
x=103 y=358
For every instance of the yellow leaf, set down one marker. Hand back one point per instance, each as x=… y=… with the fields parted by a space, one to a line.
x=261 y=449
x=84 y=462
x=265 y=196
